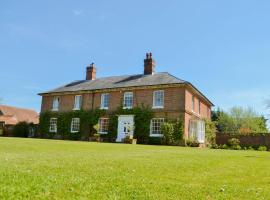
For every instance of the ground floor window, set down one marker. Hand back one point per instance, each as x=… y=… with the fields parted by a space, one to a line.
x=53 y=125
x=103 y=125
x=197 y=130
x=155 y=127
x=75 y=125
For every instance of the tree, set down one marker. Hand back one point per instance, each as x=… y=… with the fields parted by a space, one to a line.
x=242 y=121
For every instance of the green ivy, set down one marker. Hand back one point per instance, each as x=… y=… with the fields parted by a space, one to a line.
x=142 y=119
x=87 y=120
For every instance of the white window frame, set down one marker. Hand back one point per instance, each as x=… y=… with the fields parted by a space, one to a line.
x=75 y=123
x=126 y=96
x=155 y=93
x=101 y=130
x=53 y=125
x=77 y=103
x=197 y=130
x=151 y=127
x=102 y=101
x=56 y=103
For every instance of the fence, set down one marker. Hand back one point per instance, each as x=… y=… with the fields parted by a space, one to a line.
x=246 y=140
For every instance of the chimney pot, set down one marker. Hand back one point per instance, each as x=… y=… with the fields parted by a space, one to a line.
x=149 y=64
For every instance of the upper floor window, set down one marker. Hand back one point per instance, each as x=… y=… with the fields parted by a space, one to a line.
x=155 y=127
x=193 y=104
x=128 y=100
x=53 y=125
x=199 y=106
x=75 y=125
x=158 y=99
x=77 y=102
x=104 y=103
x=55 y=105
x=103 y=125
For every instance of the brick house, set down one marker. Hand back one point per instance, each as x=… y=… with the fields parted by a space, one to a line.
x=10 y=116
x=167 y=95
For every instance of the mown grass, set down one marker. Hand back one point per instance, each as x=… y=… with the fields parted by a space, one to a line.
x=51 y=169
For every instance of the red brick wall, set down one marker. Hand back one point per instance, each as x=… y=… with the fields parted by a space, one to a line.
x=177 y=101
x=245 y=140
x=173 y=100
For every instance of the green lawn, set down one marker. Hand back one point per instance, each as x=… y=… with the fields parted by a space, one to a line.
x=51 y=169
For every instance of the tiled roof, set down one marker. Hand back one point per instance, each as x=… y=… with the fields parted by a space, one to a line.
x=118 y=82
x=162 y=78
x=12 y=115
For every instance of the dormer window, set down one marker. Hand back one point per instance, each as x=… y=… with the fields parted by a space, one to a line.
x=55 y=105
x=158 y=99
x=77 y=102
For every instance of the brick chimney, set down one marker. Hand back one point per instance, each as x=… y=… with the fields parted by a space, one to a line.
x=149 y=64
x=91 y=72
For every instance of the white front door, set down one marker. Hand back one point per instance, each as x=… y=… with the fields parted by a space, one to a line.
x=125 y=127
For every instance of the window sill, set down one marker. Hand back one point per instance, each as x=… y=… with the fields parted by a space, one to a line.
x=74 y=131
x=104 y=108
x=157 y=107
x=156 y=135
x=102 y=133
x=55 y=110
x=76 y=109
x=127 y=107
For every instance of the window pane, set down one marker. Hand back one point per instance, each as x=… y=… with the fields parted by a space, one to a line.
x=53 y=125
x=104 y=101
x=158 y=98
x=128 y=100
x=55 y=103
x=103 y=125
x=75 y=125
x=156 y=125
x=77 y=103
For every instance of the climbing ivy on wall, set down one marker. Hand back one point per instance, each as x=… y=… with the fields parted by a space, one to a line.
x=142 y=119
x=87 y=120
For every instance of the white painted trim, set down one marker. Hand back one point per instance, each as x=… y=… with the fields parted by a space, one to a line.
x=156 y=135
x=153 y=100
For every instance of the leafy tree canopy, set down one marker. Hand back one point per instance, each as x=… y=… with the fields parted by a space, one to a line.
x=239 y=120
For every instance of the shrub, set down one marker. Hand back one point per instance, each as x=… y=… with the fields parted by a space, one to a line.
x=233 y=142
x=262 y=148
x=224 y=146
x=210 y=132
x=167 y=129
x=179 y=129
x=236 y=147
x=155 y=140
x=192 y=142
x=21 y=129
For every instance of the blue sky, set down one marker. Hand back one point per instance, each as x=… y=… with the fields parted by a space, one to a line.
x=222 y=47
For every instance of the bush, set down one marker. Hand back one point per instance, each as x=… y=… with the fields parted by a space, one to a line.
x=192 y=142
x=210 y=132
x=233 y=142
x=262 y=148
x=224 y=146
x=155 y=140
x=167 y=129
x=21 y=129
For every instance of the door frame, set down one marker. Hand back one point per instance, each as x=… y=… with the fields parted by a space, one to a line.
x=121 y=118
